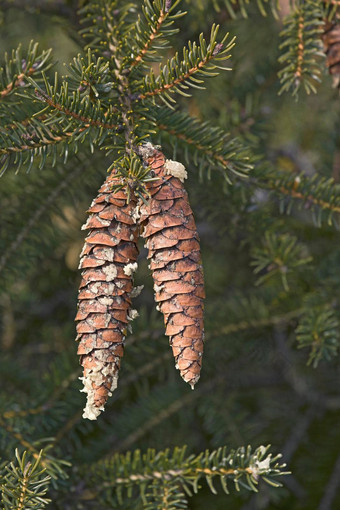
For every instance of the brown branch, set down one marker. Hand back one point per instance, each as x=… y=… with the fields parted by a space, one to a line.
x=178 y=80
x=149 y=42
x=165 y=498
x=125 y=99
x=331 y=489
x=174 y=473
x=88 y=122
x=43 y=142
x=188 y=140
x=24 y=488
x=295 y=194
x=300 y=48
x=16 y=83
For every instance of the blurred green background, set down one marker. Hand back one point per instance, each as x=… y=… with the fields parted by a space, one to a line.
x=255 y=386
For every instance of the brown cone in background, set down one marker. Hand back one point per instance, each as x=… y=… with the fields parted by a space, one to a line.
x=174 y=252
x=107 y=261
x=331 y=41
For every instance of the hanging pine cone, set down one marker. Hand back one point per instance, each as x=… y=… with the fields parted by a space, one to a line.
x=108 y=260
x=174 y=252
x=331 y=41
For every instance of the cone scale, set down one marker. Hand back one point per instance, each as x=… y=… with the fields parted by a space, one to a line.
x=331 y=42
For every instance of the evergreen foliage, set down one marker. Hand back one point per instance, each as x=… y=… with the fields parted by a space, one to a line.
x=264 y=186
x=24 y=486
x=302 y=47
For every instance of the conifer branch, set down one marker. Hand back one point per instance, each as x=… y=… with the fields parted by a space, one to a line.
x=125 y=98
x=151 y=28
x=319 y=330
x=27 y=149
x=24 y=484
x=42 y=96
x=105 y=22
x=53 y=139
x=153 y=34
x=178 y=75
x=235 y=8
x=18 y=68
x=310 y=198
x=302 y=45
x=182 y=78
x=279 y=255
x=212 y=147
x=39 y=134
x=315 y=192
x=51 y=464
x=242 y=467
x=17 y=83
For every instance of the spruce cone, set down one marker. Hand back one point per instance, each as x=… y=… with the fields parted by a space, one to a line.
x=108 y=260
x=331 y=41
x=174 y=250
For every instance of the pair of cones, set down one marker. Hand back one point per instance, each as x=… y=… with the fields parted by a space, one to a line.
x=108 y=260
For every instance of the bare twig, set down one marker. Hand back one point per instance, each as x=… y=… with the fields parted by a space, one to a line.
x=331 y=489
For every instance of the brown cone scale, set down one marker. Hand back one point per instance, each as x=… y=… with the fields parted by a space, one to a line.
x=331 y=42
x=104 y=303
x=174 y=252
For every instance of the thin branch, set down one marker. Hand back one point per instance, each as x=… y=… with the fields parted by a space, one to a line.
x=300 y=48
x=178 y=80
x=332 y=486
x=88 y=122
x=299 y=431
x=174 y=473
x=125 y=99
x=24 y=488
x=296 y=194
x=149 y=42
x=42 y=143
x=17 y=83
x=186 y=139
